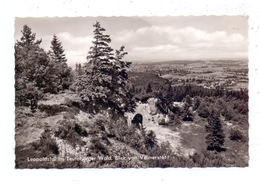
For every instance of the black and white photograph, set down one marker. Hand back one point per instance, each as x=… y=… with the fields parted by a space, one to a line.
x=131 y=92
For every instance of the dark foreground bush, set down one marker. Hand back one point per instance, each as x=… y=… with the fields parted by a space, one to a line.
x=211 y=159
x=46 y=145
x=237 y=135
x=51 y=110
x=70 y=131
x=97 y=148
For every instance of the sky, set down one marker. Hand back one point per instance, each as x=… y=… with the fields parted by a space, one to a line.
x=147 y=39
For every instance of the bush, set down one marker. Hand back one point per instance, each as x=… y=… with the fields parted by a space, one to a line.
x=98 y=127
x=174 y=120
x=237 y=135
x=197 y=101
x=51 y=110
x=203 y=110
x=97 y=147
x=75 y=102
x=150 y=139
x=130 y=135
x=46 y=145
x=229 y=114
x=70 y=131
x=133 y=139
x=210 y=159
x=71 y=112
x=80 y=130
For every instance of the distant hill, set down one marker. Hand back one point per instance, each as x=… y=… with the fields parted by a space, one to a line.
x=187 y=61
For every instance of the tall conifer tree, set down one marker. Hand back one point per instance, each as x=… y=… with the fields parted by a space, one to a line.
x=105 y=79
x=63 y=73
x=31 y=69
x=215 y=138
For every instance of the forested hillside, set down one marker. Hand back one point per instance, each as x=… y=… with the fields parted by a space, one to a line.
x=101 y=114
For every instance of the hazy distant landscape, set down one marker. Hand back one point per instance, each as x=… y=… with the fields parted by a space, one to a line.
x=228 y=74
x=108 y=112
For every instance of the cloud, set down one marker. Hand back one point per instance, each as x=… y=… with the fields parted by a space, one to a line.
x=155 y=35
x=76 y=48
x=159 y=43
x=160 y=40
x=155 y=49
x=74 y=42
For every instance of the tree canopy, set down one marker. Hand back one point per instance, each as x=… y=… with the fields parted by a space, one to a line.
x=31 y=68
x=63 y=73
x=215 y=138
x=103 y=84
x=36 y=71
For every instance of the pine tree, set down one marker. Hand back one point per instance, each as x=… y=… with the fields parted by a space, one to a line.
x=63 y=73
x=203 y=110
x=100 y=55
x=78 y=69
x=188 y=100
x=215 y=138
x=31 y=67
x=103 y=84
x=24 y=49
x=149 y=89
x=197 y=101
x=80 y=72
x=57 y=51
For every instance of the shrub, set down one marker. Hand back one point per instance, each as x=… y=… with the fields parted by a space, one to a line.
x=98 y=127
x=97 y=147
x=174 y=120
x=70 y=131
x=210 y=159
x=150 y=139
x=46 y=145
x=134 y=139
x=197 y=101
x=229 y=114
x=187 y=117
x=237 y=135
x=80 y=130
x=203 y=110
x=75 y=102
x=51 y=110
x=130 y=135
x=71 y=112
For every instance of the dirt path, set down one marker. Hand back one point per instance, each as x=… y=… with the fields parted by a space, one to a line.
x=163 y=134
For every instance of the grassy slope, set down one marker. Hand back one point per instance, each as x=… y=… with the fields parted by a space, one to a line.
x=30 y=127
x=185 y=138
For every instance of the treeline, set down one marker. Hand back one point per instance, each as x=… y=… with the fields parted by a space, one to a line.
x=38 y=71
x=188 y=102
x=233 y=103
x=100 y=82
x=178 y=93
